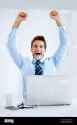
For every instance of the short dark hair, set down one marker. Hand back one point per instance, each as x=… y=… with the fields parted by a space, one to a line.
x=39 y=37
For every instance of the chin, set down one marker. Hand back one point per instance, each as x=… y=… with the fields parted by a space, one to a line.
x=38 y=57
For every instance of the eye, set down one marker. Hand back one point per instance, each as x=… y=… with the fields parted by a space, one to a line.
x=41 y=46
x=35 y=46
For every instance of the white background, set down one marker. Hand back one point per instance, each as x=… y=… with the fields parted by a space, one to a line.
x=38 y=22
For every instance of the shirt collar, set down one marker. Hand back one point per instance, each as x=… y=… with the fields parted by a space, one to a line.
x=42 y=60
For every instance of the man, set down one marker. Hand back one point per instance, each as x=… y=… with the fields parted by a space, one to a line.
x=39 y=65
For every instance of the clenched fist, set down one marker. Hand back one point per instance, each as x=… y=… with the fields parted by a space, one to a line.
x=55 y=15
x=22 y=16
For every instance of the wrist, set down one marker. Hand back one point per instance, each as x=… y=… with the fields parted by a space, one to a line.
x=16 y=24
x=59 y=23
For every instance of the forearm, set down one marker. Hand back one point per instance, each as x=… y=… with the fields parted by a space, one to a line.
x=63 y=44
x=59 y=22
x=12 y=48
x=12 y=39
x=16 y=24
x=62 y=36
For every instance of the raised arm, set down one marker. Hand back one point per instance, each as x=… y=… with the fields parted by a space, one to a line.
x=12 y=39
x=55 y=15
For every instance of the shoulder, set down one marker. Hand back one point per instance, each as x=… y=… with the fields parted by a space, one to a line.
x=49 y=59
x=26 y=60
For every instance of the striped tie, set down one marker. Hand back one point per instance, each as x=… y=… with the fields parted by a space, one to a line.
x=38 y=68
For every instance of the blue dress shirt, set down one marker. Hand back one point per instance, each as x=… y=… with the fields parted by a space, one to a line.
x=27 y=66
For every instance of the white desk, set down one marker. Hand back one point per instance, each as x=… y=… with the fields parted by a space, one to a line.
x=48 y=111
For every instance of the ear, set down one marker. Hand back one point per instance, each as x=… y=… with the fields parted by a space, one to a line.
x=31 y=49
x=45 y=50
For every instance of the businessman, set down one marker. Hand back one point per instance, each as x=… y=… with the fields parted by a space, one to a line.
x=39 y=65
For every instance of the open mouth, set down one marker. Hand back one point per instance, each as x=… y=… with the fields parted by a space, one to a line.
x=38 y=54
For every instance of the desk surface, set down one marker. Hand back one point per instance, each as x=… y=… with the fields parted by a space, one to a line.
x=48 y=111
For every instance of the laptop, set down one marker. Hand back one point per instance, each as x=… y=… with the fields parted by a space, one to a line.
x=47 y=90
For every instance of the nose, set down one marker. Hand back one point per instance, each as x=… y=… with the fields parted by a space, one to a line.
x=38 y=49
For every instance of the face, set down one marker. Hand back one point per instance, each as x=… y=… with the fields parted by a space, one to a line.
x=38 y=49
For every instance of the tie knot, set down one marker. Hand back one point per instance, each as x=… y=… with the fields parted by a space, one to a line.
x=38 y=62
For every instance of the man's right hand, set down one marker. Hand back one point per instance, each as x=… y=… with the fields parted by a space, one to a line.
x=55 y=15
x=22 y=16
